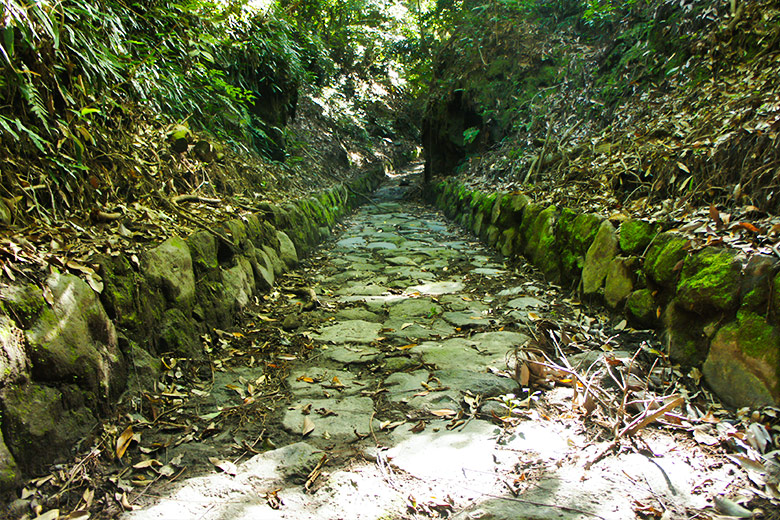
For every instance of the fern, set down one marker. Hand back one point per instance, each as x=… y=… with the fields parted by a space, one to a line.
x=34 y=101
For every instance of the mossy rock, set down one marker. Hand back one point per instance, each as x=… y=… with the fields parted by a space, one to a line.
x=179 y=335
x=506 y=242
x=491 y=235
x=235 y=230
x=598 y=258
x=23 y=301
x=127 y=297
x=710 y=281
x=642 y=309
x=169 y=268
x=542 y=246
x=203 y=251
x=144 y=368
x=635 y=236
x=9 y=471
x=530 y=213
x=239 y=282
x=476 y=225
x=664 y=258
x=14 y=364
x=743 y=365
x=756 y=287
x=38 y=428
x=619 y=281
x=686 y=335
x=576 y=232
x=510 y=210
x=74 y=340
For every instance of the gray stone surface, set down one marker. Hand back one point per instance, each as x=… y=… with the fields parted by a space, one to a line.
x=338 y=417
x=350 y=331
x=287 y=252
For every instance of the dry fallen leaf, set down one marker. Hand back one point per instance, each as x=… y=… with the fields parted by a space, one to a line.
x=123 y=442
x=308 y=426
x=444 y=412
x=147 y=463
x=225 y=465
x=52 y=514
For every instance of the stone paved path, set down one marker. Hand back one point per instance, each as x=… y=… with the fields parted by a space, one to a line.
x=400 y=398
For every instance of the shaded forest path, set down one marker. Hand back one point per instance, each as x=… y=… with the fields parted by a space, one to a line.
x=398 y=397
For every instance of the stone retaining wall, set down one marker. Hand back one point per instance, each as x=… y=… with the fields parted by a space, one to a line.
x=717 y=310
x=67 y=352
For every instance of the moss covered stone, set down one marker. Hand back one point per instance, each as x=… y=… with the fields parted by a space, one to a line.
x=710 y=281
x=74 y=341
x=620 y=281
x=38 y=428
x=506 y=242
x=663 y=258
x=510 y=211
x=179 y=335
x=641 y=308
x=635 y=236
x=576 y=232
x=169 y=268
x=685 y=335
x=757 y=283
x=743 y=365
x=9 y=472
x=530 y=213
x=598 y=258
x=541 y=246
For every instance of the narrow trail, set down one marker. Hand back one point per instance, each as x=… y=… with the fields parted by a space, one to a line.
x=403 y=401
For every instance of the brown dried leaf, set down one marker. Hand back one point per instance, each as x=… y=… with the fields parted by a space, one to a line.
x=225 y=465
x=308 y=426
x=123 y=442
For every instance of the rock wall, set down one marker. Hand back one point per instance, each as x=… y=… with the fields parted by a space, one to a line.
x=717 y=310
x=68 y=352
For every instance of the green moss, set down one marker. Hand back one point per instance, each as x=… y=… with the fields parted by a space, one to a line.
x=756 y=337
x=710 y=279
x=635 y=236
x=641 y=307
x=576 y=232
x=663 y=255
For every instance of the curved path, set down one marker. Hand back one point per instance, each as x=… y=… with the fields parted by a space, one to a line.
x=408 y=405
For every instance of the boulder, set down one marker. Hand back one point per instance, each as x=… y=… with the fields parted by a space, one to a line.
x=598 y=258
x=710 y=281
x=620 y=280
x=287 y=252
x=143 y=368
x=635 y=236
x=9 y=472
x=203 y=252
x=38 y=428
x=75 y=341
x=239 y=282
x=179 y=335
x=743 y=364
x=276 y=263
x=664 y=258
x=169 y=267
x=756 y=286
x=576 y=232
x=686 y=335
x=541 y=245
x=127 y=298
x=14 y=364
x=642 y=309
x=508 y=210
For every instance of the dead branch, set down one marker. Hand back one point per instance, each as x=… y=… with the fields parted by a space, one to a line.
x=188 y=197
